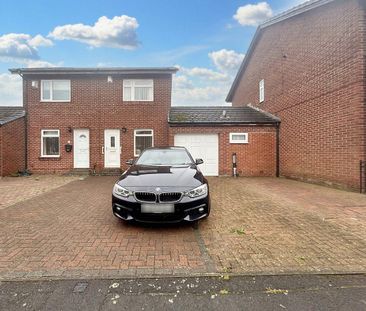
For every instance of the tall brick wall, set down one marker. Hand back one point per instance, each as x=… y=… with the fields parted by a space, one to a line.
x=96 y=105
x=12 y=147
x=257 y=158
x=313 y=66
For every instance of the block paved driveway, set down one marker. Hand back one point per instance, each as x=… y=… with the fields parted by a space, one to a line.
x=257 y=226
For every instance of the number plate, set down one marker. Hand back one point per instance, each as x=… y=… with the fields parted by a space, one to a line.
x=157 y=208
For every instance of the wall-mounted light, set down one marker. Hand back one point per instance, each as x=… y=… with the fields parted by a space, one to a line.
x=35 y=84
x=124 y=130
x=110 y=79
x=69 y=129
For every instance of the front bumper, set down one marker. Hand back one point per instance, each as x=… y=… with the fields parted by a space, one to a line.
x=187 y=209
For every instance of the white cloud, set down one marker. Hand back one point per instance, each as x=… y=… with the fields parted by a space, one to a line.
x=253 y=14
x=118 y=32
x=198 y=96
x=39 y=40
x=226 y=60
x=204 y=73
x=19 y=46
x=41 y=63
x=200 y=86
x=10 y=90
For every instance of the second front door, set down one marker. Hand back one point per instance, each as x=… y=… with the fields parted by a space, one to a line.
x=112 y=148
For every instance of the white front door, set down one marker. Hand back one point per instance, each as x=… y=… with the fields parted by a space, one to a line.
x=202 y=146
x=112 y=148
x=81 y=148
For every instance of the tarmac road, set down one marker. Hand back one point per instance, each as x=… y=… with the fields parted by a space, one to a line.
x=296 y=292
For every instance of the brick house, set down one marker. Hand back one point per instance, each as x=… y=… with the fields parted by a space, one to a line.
x=12 y=140
x=94 y=119
x=307 y=67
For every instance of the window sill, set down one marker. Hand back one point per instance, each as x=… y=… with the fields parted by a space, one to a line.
x=138 y=101
x=56 y=101
x=55 y=158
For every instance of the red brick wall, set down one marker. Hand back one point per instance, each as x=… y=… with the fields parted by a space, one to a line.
x=257 y=158
x=12 y=147
x=313 y=66
x=96 y=105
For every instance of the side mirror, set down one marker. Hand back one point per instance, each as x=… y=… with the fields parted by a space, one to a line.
x=199 y=161
x=129 y=162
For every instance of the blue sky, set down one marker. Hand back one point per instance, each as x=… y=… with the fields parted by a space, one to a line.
x=207 y=39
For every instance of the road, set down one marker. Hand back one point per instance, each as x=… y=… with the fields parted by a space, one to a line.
x=297 y=292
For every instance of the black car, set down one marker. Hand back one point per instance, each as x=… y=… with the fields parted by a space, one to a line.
x=164 y=185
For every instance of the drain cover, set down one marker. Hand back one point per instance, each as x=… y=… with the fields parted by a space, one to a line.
x=80 y=287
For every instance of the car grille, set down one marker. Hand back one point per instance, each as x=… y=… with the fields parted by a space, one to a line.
x=170 y=196
x=145 y=196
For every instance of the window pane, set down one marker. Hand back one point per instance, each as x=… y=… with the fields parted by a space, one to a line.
x=147 y=83
x=50 y=146
x=143 y=132
x=113 y=142
x=142 y=142
x=238 y=137
x=127 y=82
x=46 y=90
x=127 y=93
x=61 y=90
x=143 y=93
x=50 y=133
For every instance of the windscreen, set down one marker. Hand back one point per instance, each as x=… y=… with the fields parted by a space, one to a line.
x=169 y=157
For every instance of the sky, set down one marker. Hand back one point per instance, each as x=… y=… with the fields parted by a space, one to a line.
x=206 y=39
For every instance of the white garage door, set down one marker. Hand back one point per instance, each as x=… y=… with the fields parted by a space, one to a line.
x=202 y=146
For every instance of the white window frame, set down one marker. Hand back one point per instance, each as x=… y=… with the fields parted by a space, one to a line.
x=149 y=83
x=261 y=91
x=142 y=135
x=51 y=92
x=59 y=143
x=243 y=141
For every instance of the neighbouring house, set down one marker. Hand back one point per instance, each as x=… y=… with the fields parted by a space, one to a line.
x=94 y=119
x=12 y=140
x=307 y=67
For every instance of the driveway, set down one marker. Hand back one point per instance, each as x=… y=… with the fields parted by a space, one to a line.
x=257 y=226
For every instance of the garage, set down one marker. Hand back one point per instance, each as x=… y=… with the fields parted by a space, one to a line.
x=223 y=135
x=202 y=146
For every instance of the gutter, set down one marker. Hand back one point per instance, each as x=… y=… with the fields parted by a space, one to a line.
x=96 y=71
x=211 y=124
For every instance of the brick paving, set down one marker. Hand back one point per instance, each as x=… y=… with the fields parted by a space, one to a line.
x=257 y=225
x=17 y=189
x=285 y=226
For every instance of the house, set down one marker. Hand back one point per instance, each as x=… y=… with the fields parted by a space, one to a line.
x=12 y=140
x=307 y=67
x=94 y=119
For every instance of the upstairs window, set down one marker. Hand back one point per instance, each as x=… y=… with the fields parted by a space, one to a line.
x=50 y=143
x=143 y=139
x=261 y=91
x=55 y=90
x=138 y=90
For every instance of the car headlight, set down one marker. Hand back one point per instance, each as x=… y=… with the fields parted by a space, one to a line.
x=120 y=191
x=197 y=192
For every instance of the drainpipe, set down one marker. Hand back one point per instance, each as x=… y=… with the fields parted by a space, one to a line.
x=278 y=149
x=25 y=106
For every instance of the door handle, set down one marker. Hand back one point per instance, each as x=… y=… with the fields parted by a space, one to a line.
x=102 y=149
